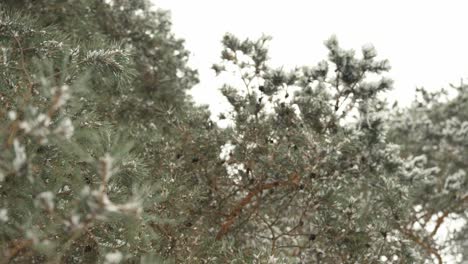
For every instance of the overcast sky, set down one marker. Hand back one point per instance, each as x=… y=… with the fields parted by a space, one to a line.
x=425 y=41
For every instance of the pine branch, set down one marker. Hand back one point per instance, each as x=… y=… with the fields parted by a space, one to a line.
x=236 y=211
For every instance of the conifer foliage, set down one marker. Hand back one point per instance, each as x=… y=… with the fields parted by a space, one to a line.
x=105 y=159
x=434 y=143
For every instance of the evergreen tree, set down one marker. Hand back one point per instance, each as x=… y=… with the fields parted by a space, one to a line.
x=106 y=159
x=432 y=134
x=317 y=179
x=56 y=84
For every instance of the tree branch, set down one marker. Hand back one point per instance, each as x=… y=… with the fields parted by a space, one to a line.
x=235 y=212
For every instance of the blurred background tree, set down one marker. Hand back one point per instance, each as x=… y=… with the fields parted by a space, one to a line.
x=432 y=133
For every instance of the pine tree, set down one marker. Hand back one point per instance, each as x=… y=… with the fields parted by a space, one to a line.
x=434 y=145
x=77 y=112
x=106 y=159
x=318 y=181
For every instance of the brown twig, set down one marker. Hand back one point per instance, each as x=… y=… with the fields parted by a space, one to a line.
x=16 y=247
x=235 y=212
x=439 y=222
x=417 y=240
x=23 y=63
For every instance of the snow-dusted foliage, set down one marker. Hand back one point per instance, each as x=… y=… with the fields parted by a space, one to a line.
x=105 y=158
x=433 y=138
x=319 y=183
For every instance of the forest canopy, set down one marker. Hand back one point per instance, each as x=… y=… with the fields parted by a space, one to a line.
x=105 y=158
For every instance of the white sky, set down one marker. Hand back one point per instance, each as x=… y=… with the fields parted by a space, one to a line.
x=425 y=41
